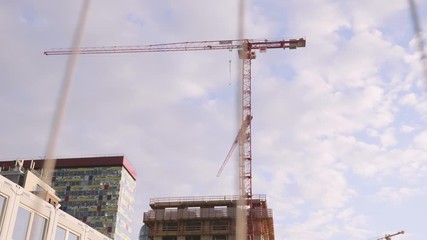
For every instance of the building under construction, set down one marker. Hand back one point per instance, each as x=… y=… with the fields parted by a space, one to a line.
x=204 y=218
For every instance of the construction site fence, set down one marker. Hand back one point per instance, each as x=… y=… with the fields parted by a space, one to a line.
x=202 y=213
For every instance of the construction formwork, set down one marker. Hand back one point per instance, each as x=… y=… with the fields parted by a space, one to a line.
x=205 y=218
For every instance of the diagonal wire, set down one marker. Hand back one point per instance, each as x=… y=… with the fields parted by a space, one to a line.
x=50 y=161
x=241 y=220
x=419 y=38
x=65 y=90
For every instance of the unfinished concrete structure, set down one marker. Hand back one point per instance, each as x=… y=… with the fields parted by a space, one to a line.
x=204 y=218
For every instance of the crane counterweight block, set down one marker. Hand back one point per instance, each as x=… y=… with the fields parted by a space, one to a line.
x=296 y=43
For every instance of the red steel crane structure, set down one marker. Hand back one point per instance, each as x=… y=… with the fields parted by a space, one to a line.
x=246 y=49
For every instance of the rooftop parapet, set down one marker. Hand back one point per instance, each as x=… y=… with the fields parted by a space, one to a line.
x=203 y=201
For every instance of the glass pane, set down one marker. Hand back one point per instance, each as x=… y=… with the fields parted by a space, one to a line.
x=2 y=202
x=38 y=227
x=21 y=224
x=72 y=236
x=60 y=233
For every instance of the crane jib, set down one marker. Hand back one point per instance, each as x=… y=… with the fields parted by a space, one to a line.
x=248 y=44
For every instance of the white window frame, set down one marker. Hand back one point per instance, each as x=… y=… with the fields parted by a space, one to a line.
x=67 y=232
x=3 y=210
x=30 y=222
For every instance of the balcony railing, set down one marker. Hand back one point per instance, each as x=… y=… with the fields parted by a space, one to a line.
x=203 y=213
x=174 y=200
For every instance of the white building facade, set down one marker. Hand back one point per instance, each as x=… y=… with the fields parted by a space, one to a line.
x=24 y=216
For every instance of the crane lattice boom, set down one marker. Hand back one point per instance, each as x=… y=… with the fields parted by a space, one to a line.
x=246 y=49
x=388 y=236
x=184 y=46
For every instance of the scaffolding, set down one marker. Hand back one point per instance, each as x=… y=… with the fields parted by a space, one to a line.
x=205 y=217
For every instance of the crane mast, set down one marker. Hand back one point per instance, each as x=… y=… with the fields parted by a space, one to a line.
x=246 y=49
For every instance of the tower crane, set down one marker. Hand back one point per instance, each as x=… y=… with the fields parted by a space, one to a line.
x=388 y=236
x=246 y=49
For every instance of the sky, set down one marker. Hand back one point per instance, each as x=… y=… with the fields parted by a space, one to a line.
x=338 y=142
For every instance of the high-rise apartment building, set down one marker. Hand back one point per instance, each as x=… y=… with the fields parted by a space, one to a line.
x=203 y=218
x=30 y=211
x=96 y=190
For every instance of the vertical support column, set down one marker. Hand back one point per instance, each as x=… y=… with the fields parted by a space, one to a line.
x=245 y=143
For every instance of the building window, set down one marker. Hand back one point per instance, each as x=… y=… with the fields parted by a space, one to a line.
x=193 y=212
x=72 y=236
x=170 y=226
x=38 y=228
x=21 y=225
x=192 y=237
x=60 y=233
x=29 y=223
x=193 y=225
x=220 y=225
x=221 y=211
x=219 y=237
x=63 y=234
x=2 y=205
x=169 y=238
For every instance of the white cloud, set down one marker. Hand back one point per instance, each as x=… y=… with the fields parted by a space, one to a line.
x=421 y=139
x=325 y=187
x=407 y=129
x=330 y=225
x=388 y=138
x=364 y=159
x=409 y=99
x=326 y=122
x=372 y=132
x=415 y=168
x=397 y=195
x=366 y=14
